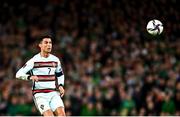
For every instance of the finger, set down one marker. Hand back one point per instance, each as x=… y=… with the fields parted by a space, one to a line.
x=60 y=88
x=61 y=91
x=36 y=78
x=33 y=79
x=62 y=94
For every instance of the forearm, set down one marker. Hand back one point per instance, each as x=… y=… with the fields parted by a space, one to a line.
x=61 y=80
x=22 y=76
x=59 y=74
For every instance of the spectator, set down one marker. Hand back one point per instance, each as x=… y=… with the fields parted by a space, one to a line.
x=107 y=55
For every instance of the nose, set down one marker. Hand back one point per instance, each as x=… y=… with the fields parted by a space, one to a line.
x=49 y=44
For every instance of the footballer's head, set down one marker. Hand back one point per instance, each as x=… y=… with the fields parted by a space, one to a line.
x=45 y=43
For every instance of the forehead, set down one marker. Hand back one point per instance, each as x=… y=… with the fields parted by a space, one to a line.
x=46 y=40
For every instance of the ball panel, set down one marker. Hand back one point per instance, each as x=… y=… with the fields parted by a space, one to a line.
x=154 y=27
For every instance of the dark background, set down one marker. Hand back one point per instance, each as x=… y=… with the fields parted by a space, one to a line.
x=112 y=65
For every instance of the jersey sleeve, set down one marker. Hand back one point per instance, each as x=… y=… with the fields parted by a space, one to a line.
x=59 y=74
x=22 y=73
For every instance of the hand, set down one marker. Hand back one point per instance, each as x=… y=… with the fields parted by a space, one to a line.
x=61 y=90
x=34 y=78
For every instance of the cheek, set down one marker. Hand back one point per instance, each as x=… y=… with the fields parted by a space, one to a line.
x=44 y=46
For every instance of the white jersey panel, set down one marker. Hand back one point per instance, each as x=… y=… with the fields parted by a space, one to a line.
x=44 y=71
x=45 y=85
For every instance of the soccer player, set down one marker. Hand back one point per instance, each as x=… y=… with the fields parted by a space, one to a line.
x=46 y=74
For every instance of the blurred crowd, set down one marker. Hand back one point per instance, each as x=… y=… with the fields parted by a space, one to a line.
x=111 y=65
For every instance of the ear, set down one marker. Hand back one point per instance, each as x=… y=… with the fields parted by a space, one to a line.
x=40 y=45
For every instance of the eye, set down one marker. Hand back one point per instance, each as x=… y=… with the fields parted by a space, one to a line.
x=45 y=42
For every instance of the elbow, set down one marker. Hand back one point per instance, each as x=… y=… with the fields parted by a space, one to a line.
x=17 y=75
x=20 y=75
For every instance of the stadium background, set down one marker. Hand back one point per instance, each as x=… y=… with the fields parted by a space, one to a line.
x=112 y=66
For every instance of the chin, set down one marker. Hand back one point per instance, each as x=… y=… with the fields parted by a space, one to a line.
x=48 y=51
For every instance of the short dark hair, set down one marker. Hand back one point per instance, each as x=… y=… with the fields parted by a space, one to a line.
x=44 y=36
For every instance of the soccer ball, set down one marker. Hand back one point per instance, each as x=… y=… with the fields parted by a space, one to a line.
x=154 y=27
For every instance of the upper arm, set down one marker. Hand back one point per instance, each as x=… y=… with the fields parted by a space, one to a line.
x=58 y=68
x=27 y=67
x=59 y=74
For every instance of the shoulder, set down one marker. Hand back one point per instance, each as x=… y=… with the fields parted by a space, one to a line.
x=54 y=57
x=35 y=57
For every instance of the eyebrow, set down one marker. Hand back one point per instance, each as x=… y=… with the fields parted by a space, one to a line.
x=47 y=41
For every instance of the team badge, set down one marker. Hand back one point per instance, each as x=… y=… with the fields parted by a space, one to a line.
x=42 y=107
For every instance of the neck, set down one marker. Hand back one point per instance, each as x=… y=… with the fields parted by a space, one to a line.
x=44 y=54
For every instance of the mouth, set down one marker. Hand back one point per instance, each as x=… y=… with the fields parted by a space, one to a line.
x=49 y=49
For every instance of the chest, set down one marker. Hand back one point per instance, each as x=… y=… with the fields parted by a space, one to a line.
x=44 y=67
